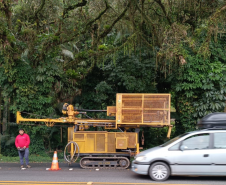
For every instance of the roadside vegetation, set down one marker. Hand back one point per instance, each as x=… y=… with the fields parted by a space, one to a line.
x=84 y=52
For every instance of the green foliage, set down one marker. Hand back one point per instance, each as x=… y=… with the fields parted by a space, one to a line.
x=200 y=89
x=8 y=142
x=56 y=52
x=72 y=74
x=8 y=146
x=128 y=74
x=154 y=136
x=102 y=47
x=131 y=74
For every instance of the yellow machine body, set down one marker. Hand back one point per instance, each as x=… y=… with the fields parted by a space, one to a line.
x=103 y=141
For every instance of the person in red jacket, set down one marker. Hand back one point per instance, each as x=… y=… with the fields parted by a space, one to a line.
x=22 y=144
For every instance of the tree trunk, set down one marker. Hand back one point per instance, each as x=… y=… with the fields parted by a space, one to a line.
x=0 y=112
x=5 y=115
x=0 y=121
x=8 y=114
x=225 y=108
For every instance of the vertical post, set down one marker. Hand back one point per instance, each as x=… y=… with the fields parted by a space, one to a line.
x=106 y=142
x=118 y=109
x=137 y=130
x=72 y=150
x=138 y=148
x=169 y=109
x=169 y=131
x=142 y=112
x=72 y=145
x=164 y=113
x=95 y=142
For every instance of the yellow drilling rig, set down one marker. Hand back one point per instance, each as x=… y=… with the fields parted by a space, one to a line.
x=110 y=149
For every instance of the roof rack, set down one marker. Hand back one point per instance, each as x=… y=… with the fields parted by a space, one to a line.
x=215 y=128
x=213 y=121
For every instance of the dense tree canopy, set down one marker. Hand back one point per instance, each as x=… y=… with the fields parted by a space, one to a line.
x=83 y=52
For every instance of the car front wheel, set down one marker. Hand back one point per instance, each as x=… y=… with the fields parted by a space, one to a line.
x=159 y=171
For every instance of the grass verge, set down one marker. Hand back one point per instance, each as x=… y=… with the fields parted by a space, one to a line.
x=32 y=159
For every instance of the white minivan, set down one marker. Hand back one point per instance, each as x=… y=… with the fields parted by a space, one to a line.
x=200 y=153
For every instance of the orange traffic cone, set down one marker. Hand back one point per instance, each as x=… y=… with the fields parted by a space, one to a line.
x=55 y=165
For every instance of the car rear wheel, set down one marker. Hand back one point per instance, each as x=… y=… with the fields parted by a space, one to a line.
x=159 y=171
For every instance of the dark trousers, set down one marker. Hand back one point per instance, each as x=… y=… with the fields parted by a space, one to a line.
x=23 y=155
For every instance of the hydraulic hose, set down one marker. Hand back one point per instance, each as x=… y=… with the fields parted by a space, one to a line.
x=76 y=148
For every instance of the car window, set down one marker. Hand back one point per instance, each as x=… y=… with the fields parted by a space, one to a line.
x=219 y=140
x=196 y=142
x=174 y=139
x=175 y=147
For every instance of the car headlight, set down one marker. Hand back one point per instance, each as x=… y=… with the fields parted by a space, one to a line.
x=140 y=158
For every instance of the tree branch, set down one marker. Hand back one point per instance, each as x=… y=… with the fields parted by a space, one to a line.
x=51 y=43
x=215 y=15
x=149 y=21
x=40 y=8
x=88 y=25
x=204 y=49
x=65 y=14
x=159 y=2
x=8 y=13
x=106 y=31
x=102 y=53
x=38 y=11
x=72 y=7
x=107 y=6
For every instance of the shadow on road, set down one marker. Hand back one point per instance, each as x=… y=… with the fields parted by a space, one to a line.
x=191 y=179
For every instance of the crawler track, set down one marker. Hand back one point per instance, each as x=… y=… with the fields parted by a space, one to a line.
x=105 y=162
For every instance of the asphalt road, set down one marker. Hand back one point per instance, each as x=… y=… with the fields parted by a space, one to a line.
x=38 y=172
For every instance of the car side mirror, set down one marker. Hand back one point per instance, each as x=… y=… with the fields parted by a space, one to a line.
x=183 y=147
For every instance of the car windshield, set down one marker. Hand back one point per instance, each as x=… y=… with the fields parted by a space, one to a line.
x=172 y=140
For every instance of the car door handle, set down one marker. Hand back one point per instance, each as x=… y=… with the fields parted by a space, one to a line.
x=206 y=155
